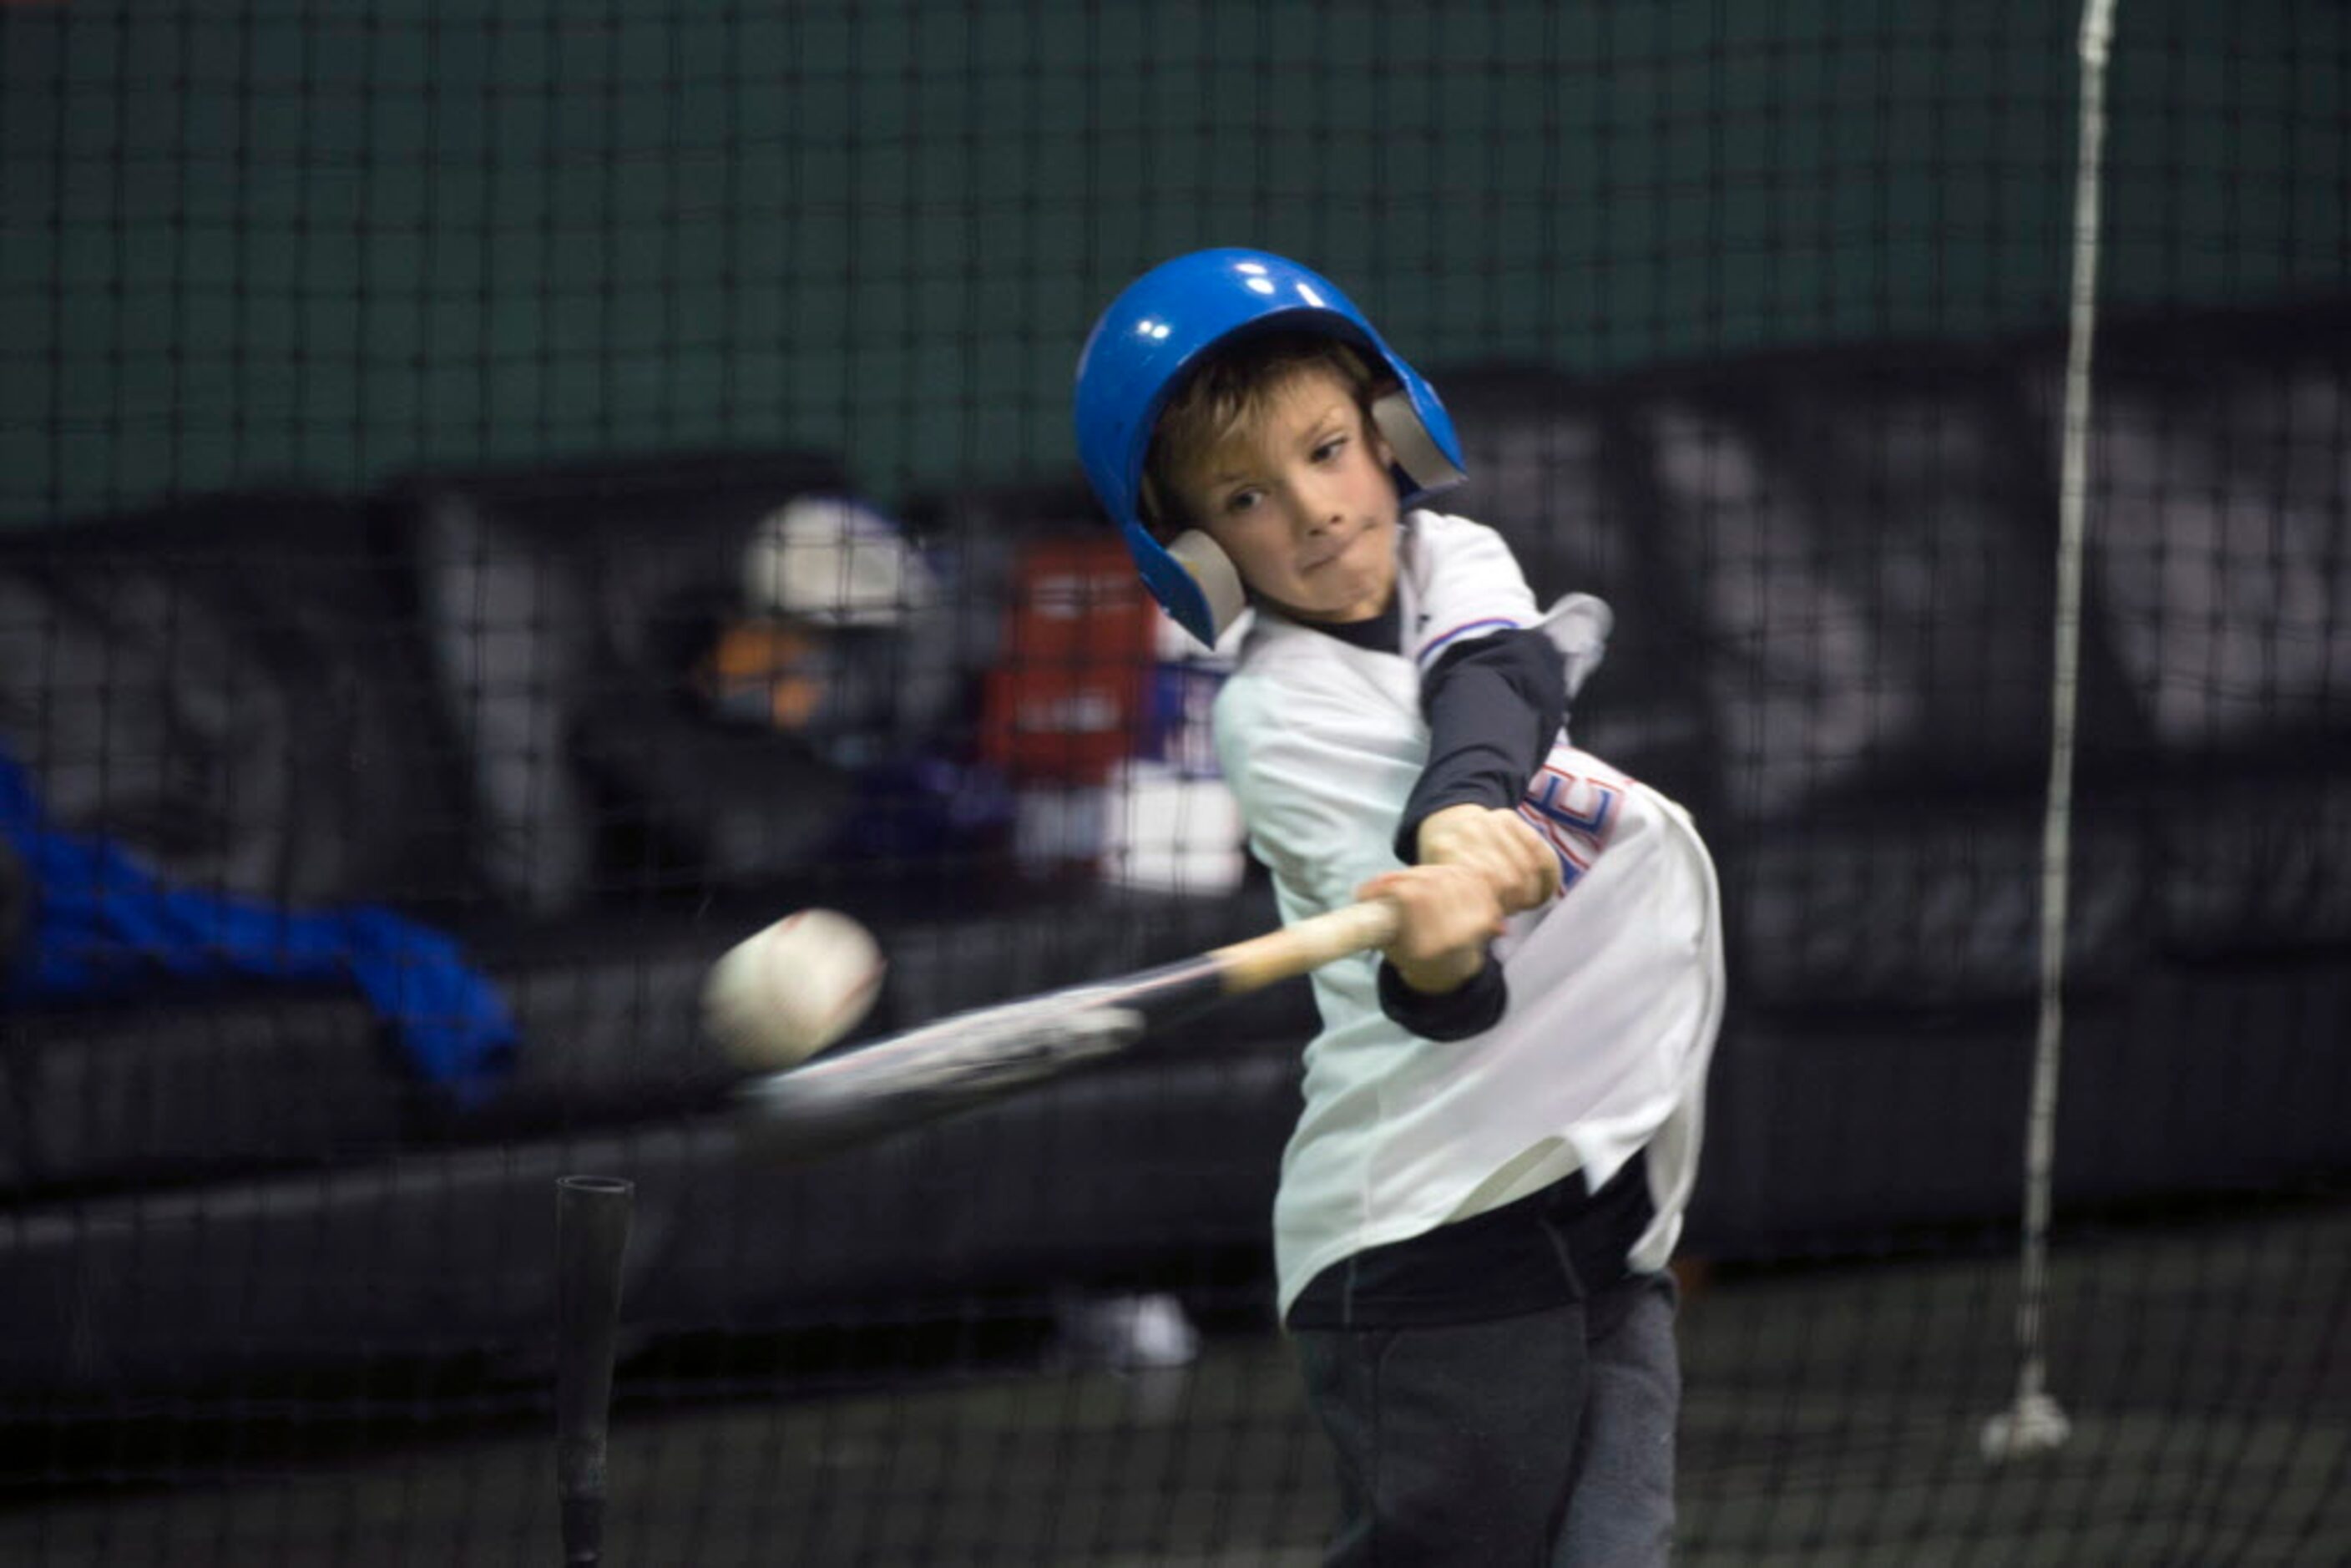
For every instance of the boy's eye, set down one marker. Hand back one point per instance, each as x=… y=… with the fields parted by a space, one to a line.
x=1242 y=500
x=1328 y=449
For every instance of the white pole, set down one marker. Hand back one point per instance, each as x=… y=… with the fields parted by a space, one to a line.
x=2034 y=1423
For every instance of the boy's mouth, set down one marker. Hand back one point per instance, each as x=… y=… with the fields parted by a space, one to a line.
x=1330 y=552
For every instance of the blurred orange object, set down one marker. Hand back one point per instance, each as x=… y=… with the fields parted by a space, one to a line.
x=766 y=668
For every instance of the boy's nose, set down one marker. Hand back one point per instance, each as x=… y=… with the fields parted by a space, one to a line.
x=1315 y=507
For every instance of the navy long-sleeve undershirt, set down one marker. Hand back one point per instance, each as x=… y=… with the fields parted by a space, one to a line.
x=1493 y=707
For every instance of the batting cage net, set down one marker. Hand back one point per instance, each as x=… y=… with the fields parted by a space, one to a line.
x=505 y=500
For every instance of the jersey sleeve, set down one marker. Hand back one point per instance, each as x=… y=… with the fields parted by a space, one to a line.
x=1467 y=585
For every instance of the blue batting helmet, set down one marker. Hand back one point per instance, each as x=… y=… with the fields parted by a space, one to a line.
x=1155 y=332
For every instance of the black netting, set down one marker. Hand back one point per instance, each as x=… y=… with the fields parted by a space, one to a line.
x=499 y=500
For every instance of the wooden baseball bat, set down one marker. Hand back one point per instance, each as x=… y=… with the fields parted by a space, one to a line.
x=971 y=1057
x=591 y=1230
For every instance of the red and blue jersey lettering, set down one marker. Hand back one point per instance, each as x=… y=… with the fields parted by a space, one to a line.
x=1576 y=813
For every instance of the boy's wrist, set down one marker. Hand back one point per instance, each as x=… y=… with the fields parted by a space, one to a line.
x=1435 y=834
x=1444 y=973
x=1496 y=843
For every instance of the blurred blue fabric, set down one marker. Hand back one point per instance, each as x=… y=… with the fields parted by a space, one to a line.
x=103 y=925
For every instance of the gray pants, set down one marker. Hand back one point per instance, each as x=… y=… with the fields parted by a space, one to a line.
x=1541 y=1439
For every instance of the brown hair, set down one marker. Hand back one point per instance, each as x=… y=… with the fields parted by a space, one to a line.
x=1226 y=389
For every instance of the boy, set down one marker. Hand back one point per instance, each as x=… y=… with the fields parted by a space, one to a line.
x=1501 y=1115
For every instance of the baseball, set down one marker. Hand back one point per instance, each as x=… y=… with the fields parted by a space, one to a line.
x=789 y=990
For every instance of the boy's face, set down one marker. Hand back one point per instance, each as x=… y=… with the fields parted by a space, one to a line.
x=1302 y=501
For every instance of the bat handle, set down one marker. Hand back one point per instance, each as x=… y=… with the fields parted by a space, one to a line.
x=591 y=1230
x=1307 y=944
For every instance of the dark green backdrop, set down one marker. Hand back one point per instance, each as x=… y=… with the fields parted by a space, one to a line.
x=253 y=241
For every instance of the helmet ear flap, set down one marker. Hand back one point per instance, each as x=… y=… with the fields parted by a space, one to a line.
x=1423 y=465
x=1218 y=579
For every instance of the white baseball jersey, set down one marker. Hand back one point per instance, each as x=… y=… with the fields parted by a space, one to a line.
x=1615 y=987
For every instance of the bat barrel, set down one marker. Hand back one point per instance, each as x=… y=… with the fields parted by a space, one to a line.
x=957 y=1062
x=591 y=1228
x=952 y=1066
x=852 y=1096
